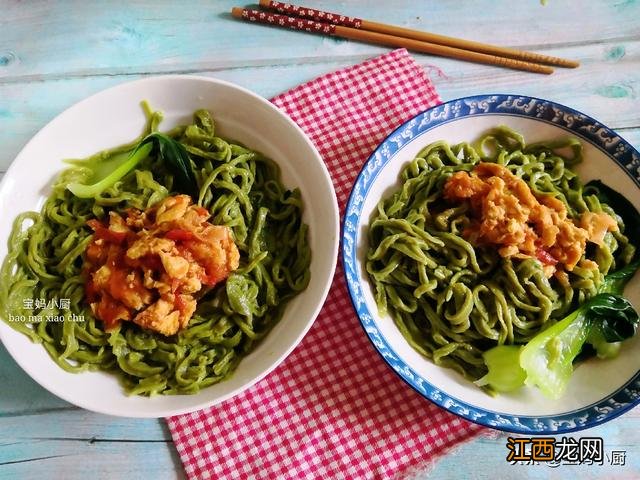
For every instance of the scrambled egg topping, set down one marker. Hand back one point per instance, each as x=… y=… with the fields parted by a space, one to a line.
x=506 y=214
x=150 y=266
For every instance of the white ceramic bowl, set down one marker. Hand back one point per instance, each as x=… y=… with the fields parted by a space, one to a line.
x=114 y=116
x=598 y=390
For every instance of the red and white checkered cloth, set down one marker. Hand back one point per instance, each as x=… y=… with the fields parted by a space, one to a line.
x=333 y=408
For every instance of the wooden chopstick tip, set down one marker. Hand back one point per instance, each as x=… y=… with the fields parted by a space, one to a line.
x=265 y=3
x=237 y=12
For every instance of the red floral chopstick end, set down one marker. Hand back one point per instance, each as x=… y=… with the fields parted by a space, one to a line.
x=312 y=14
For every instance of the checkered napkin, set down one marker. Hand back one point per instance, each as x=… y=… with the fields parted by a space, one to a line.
x=333 y=408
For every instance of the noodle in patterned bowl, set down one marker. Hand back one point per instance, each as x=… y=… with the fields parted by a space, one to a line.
x=175 y=259
x=490 y=247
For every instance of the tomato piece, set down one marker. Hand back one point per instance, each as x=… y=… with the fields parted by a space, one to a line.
x=91 y=291
x=111 y=312
x=545 y=257
x=203 y=212
x=180 y=303
x=105 y=233
x=213 y=275
x=179 y=235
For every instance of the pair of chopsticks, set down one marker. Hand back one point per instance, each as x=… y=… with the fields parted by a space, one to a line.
x=317 y=21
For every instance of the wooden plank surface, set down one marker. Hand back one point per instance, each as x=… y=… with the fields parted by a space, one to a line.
x=166 y=36
x=53 y=54
x=606 y=87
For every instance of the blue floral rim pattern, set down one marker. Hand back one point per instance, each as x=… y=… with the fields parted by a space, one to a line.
x=546 y=111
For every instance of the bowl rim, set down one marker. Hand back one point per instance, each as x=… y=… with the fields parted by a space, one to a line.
x=446 y=112
x=331 y=206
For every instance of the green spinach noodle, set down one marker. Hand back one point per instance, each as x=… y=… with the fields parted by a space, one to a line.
x=239 y=187
x=452 y=300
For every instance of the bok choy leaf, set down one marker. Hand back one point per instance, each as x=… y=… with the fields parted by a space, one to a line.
x=547 y=360
x=103 y=173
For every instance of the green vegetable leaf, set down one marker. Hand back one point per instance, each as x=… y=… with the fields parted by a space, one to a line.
x=548 y=358
x=104 y=172
x=614 y=317
x=615 y=282
x=600 y=346
x=177 y=159
x=505 y=373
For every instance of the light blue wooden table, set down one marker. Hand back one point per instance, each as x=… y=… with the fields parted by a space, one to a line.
x=53 y=54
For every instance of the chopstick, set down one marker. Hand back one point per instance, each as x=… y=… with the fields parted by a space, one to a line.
x=351 y=22
x=384 y=39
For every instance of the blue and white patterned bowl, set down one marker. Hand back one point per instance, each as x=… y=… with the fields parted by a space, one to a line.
x=599 y=390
